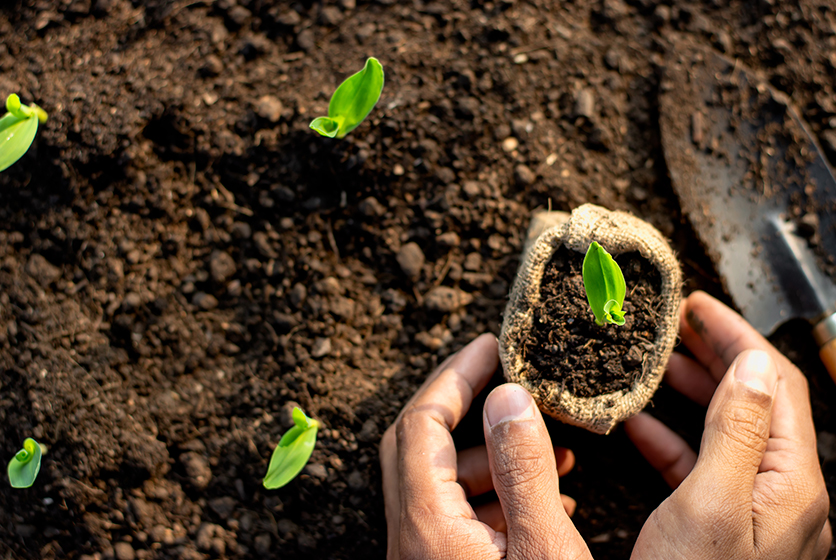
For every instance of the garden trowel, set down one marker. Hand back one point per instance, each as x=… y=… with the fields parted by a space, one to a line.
x=752 y=180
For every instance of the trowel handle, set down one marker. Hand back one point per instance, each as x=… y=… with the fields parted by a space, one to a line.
x=825 y=334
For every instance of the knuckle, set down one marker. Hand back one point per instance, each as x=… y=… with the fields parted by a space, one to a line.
x=519 y=463
x=747 y=425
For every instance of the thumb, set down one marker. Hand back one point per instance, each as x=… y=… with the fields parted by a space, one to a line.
x=525 y=478
x=737 y=426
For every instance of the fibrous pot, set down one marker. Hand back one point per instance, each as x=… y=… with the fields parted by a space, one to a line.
x=581 y=373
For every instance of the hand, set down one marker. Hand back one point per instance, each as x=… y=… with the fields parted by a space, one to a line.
x=426 y=483
x=756 y=490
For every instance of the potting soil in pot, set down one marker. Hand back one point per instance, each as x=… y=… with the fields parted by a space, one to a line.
x=564 y=342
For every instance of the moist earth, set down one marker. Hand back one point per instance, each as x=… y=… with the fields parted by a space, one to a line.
x=182 y=260
x=567 y=347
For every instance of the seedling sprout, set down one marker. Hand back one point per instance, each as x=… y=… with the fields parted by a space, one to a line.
x=24 y=466
x=352 y=101
x=604 y=285
x=293 y=451
x=17 y=129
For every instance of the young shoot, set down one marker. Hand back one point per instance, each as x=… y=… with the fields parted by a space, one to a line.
x=604 y=285
x=352 y=101
x=293 y=451
x=17 y=129
x=24 y=466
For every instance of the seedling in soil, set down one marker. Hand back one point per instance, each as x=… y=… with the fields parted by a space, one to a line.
x=604 y=285
x=17 y=129
x=24 y=466
x=293 y=451
x=352 y=101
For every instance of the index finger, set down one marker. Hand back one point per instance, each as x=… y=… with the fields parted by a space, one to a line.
x=716 y=334
x=426 y=453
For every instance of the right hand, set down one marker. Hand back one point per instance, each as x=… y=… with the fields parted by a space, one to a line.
x=756 y=490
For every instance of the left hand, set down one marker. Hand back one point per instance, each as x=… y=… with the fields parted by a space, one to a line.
x=426 y=483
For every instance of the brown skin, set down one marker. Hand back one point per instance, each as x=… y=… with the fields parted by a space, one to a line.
x=426 y=483
x=756 y=490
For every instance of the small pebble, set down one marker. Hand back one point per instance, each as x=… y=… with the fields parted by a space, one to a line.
x=585 y=103
x=124 y=551
x=411 y=259
x=446 y=299
x=205 y=301
x=321 y=347
x=221 y=266
x=269 y=107
x=510 y=144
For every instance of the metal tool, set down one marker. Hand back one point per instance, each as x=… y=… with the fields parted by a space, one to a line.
x=752 y=180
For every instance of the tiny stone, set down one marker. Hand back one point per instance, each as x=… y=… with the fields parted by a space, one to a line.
x=321 y=347
x=446 y=299
x=241 y=230
x=830 y=139
x=524 y=176
x=356 y=481
x=197 y=469
x=449 y=239
x=585 y=103
x=662 y=14
x=205 y=301
x=306 y=41
x=371 y=207
x=330 y=15
x=262 y=243
x=317 y=470
x=239 y=15
x=298 y=294
x=348 y=4
x=329 y=286
x=269 y=107
x=123 y=551
x=510 y=144
x=472 y=188
x=473 y=261
x=411 y=259
x=222 y=266
x=369 y=433
x=212 y=66
x=132 y=300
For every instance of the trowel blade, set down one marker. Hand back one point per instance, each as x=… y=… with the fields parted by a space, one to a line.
x=752 y=181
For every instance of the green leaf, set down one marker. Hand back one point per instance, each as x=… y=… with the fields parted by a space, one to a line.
x=17 y=130
x=604 y=285
x=293 y=451
x=352 y=102
x=24 y=466
x=326 y=126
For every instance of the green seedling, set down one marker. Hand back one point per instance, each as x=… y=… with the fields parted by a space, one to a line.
x=604 y=285
x=352 y=102
x=293 y=451
x=17 y=129
x=24 y=466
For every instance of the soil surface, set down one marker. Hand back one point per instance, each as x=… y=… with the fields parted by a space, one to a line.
x=566 y=346
x=182 y=260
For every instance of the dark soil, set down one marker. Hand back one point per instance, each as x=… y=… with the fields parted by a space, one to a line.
x=182 y=260
x=566 y=346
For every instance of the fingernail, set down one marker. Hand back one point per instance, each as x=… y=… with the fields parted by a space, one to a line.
x=755 y=369
x=508 y=402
